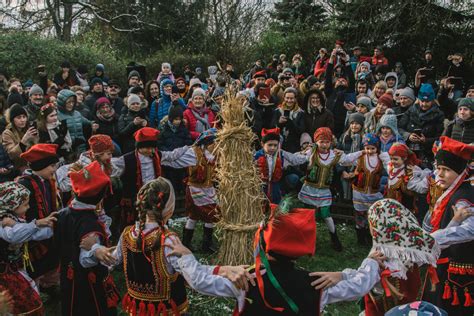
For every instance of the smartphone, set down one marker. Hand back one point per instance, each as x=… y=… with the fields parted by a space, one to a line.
x=418 y=131
x=350 y=98
x=286 y=113
x=264 y=93
x=457 y=81
x=34 y=124
x=427 y=72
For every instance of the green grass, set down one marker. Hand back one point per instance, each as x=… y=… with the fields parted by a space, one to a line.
x=325 y=259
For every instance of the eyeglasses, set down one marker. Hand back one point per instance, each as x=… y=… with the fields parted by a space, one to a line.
x=113 y=87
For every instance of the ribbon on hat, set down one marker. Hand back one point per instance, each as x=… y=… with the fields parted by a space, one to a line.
x=270 y=131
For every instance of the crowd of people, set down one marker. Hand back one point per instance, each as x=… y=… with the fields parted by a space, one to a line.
x=90 y=169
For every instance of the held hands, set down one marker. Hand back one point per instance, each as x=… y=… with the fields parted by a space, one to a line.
x=8 y=222
x=461 y=213
x=238 y=275
x=379 y=257
x=177 y=248
x=105 y=256
x=89 y=241
x=47 y=221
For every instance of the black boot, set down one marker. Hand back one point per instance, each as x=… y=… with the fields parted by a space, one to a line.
x=207 y=244
x=335 y=243
x=360 y=236
x=367 y=236
x=188 y=237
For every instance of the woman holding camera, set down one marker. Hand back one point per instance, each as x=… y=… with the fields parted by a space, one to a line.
x=18 y=136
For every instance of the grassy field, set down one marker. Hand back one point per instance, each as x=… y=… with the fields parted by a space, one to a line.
x=325 y=259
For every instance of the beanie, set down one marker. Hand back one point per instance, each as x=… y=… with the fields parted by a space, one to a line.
x=195 y=81
x=133 y=73
x=102 y=100
x=198 y=92
x=135 y=90
x=426 y=92
x=466 y=102
x=100 y=67
x=389 y=119
x=95 y=81
x=16 y=110
x=218 y=92
x=13 y=98
x=28 y=83
x=175 y=112
x=366 y=101
x=386 y=99
x=407 y=92
x=288 y=70
x=358 y=118
x=35 y=89
x=133 y=98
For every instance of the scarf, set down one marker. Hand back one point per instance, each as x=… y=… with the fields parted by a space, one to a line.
x=426 y=115
x=173 y=128
x=106 y=116
x=53 y=132
x=356 y=142
x=202 y=123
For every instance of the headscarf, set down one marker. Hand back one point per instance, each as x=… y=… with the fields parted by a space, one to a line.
x=12 y=195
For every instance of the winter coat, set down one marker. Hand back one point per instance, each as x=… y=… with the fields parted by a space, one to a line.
x=291 y=130
x=169 y=140
x=76 y=124
x=61 y=131
x=265 y=113
x=191 y=120
x=70 y=81
x=117 y=104
x=160 y=108
x=127 y=129
x=314 y=118
x=84 y=110
x=7 y=163
x=462 y=131
x=32 y=111
x=109 y=128
x=11 y=142
x=91 y=98
x=446 y=104
x=430 y=123
x=385 y=146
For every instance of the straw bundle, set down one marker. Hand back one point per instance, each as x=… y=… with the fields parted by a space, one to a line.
x=239 y=194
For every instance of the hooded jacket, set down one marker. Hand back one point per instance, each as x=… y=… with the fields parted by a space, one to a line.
x=315 y=118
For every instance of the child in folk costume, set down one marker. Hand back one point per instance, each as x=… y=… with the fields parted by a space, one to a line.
x=366 y=185
x=316 y=188
x=271 y=161
x=404 y=176
x=44 y=200
x=455 y=268
x=87 y=286
x=14 y=235
x=201 y=198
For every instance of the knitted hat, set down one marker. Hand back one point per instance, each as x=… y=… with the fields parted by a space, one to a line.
x=100 y=67
x=402 y=150
x=135 y=90
x=407 y=92
x=288 y=70
x=370 y=139
x=40 y=156
x=133 y=73
x=366 y=101
x=323 y=133
x=90 y=183
x=426 y=92
x=207 y=137
x=166 y=65
x=453 y=154
x=12 y=195
x=198 y=92
x=175 y=112
x=35 y=89
x=389 y=119
x=466 y=102
x=270 y=134
x=133 y=98
x=14 y=98
x=62 y=97
x=218 y=92
x=386 y=99
x=398 y=236
x=357 y=117
x=146 y=137
x=194 y=81
x=102 y=100
x=180 y=79
x=16 y=110
x=100 y=143
x=28 y=83
x=96 y=80
x=417 y=308
x=305 y=138
x=291 y=90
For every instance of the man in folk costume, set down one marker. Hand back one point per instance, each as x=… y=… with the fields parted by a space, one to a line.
x=316 y=187
x=455 y=268
x=139 y=167
x=87 y=286
x=397 y=235
x=39 y=180
x=201 y=198
x=271 y=160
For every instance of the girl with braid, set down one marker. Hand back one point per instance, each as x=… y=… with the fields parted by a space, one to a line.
x=153 y=277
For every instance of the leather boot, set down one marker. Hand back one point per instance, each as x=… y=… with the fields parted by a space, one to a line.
x=188 y=237
x=207 y=244
x=335 y=242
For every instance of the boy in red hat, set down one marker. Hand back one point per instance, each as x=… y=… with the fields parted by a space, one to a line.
x=40 y=182
x=86 y=285
x=455 y=268
x=319 y=175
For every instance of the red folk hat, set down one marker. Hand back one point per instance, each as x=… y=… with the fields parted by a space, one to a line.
x=402 y=150
x=323 y=133
x=90 y=184
x=146 y=137
x=40 y=156
x=259 y=74
x=291 y=234
x=270 y=134
x=453 y=154
x=101 y=143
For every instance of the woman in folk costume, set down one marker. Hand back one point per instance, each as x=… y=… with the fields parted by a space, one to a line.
x=456 y=264
x=397 y=235
x=14 y=235
x=282 y=288
x=366 y=185
x=86 y=285
x=153 y=277
x=201 y=198
x=316 y=188
x=405 y=178
x=139 y=167
x=271 y=161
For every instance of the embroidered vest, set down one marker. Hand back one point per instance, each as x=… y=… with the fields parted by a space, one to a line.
x=202 y=174
x=318 y=175
x=149 y=284
x=263 y=167
x=399 y=191
x=367 y=181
